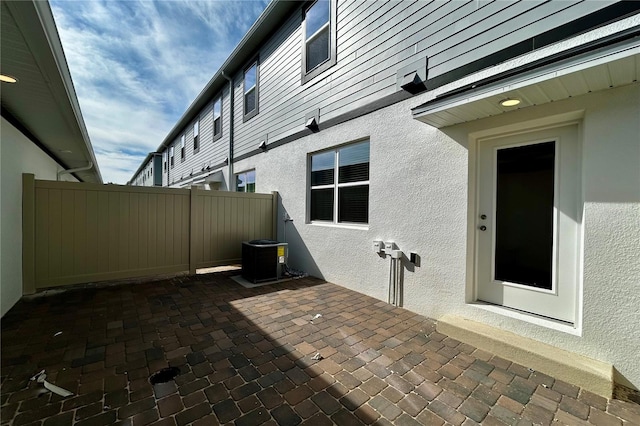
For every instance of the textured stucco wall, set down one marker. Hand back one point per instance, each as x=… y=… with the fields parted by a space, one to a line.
x=609 y=327
x=17 y=155
x=418 y=199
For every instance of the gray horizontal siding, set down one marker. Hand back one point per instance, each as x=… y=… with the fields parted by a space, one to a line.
x=374 y=40
x=143 y=178
x=210 y=153
x=497 y=35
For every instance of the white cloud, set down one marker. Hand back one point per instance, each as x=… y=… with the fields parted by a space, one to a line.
x=137 y=65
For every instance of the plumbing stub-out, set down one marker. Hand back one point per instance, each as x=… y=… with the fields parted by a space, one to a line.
x=164 y=375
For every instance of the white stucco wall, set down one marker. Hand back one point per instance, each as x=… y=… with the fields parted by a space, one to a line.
x=17 y=155
x=418 y=199
x=609 y=327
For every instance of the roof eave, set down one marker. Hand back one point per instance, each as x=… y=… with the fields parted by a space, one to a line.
x=45 y=15
x=268 y=21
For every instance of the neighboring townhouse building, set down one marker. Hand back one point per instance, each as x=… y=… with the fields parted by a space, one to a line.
x=150 y=171
x=42 y=130
x=494 y=145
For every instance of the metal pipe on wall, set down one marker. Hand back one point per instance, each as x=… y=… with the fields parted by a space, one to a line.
x=232 y=186
x=395 y=279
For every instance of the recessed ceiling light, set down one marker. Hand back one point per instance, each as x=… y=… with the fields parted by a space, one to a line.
x=65 y=151
x=8 y=79
x=509 y=102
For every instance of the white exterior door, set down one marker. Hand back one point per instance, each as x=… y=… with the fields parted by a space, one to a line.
x=528 y=222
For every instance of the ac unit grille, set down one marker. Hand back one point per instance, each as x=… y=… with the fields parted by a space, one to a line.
x=261 y=260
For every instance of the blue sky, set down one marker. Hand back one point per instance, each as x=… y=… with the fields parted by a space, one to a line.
x=138 y=64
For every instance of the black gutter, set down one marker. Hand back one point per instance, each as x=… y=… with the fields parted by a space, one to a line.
x=581 y=25
x=623 y=36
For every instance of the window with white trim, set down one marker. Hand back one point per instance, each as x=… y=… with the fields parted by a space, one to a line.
x=217 y=118
x=171 y=156
x=196 y=136
x=339 y=185
x=251 y=91
x=246 y=181
x=182 y=147
x=319 y=32
x=164 y=158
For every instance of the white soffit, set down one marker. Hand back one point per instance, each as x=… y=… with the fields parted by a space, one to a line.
x=214 y=177
x=43 y=101
x=585 y=74
x=208 y=178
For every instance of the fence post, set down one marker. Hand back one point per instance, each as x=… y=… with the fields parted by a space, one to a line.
x=274 y=208
x=192 y=231
x=28 y=233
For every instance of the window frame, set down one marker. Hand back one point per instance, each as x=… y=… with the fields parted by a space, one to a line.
x=336 y=185
x=245 y=173
x=172 y=156
x=246 y=116
x=182 y=150
x=196 y=136
x=213 y=115
x=332 y=59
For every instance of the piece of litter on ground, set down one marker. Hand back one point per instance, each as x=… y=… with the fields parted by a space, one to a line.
x=37 y=376
x=317 y=357
x=57 y=389
x=316 y=316
x=544 y=386
x=57 y=334
x=41 y=378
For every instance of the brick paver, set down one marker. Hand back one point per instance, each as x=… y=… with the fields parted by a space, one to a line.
x=249 y=357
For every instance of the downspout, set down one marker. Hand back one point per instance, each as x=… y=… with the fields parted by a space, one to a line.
x=231 y=183
x=79 y=169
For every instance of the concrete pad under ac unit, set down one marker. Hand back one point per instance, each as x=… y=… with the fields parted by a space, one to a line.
x=590 y=374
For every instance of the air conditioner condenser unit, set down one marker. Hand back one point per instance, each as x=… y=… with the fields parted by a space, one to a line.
x=263 y=260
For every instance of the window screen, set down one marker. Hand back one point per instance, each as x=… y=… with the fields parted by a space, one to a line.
x=246 y=182
x=196 y=135
x=217 y=117
x=319 y=50
x=251 y=90
x=340 y=194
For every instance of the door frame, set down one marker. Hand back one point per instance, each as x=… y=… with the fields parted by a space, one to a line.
x=555 y=237
x=475 y=138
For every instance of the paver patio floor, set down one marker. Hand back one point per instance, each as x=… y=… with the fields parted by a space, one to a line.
x=246 y=356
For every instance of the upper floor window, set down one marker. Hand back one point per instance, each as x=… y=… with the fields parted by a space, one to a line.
x=217 y=118
x=251 y=91
x=164 y=157
x=246 y=182
x=340 y=194
x=182 y=147
x=319 y=30
x=196 y=136
x=171 y=156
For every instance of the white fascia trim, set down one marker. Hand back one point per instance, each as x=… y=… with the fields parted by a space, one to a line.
x=536 y=76
x=50 y=30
